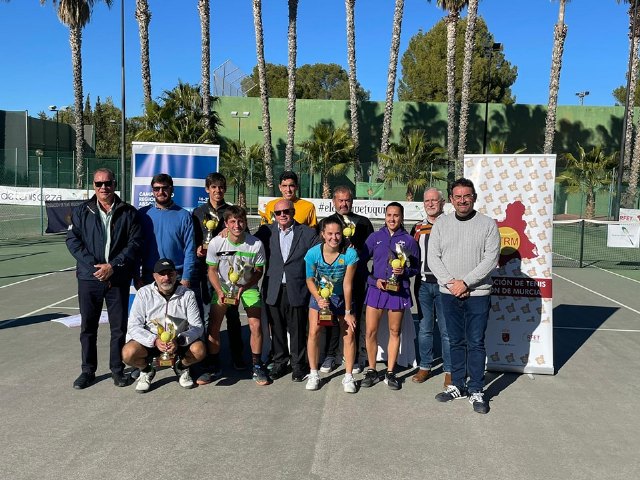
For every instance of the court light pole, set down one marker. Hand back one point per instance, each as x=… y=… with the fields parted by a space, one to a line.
x=123 y=127
x=581 y=96
x=240 y=116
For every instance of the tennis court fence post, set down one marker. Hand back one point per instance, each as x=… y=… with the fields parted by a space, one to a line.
x=581 y=243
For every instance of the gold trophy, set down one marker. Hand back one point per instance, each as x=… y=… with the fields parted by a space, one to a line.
x=349 y=229
x=231 y=297
x=325 y=289
x=166 y=333
x=399 y=260
x=210 y=222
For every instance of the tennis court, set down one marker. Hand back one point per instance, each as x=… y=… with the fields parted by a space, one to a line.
x=581 y=423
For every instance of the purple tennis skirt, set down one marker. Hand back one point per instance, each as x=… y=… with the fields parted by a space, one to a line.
x=388 y=300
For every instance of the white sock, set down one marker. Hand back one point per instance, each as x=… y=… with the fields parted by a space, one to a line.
x=348 y=376
x=314 y=372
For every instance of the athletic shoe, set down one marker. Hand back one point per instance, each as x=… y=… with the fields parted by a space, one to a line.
x=479 y=404
x=313 y=382
x=392 y=381
x=356 y=368
x=84 y=380
x=144 y=380
x=451 y=393
x=184 y=377
x=207 y=377
x=370 y=378
x=119 y=379
x=259 y=375
x=349 y=385
x=328 y=364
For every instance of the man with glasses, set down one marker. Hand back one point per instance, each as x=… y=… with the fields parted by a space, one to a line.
x=284 y=288
x=105 y=238
x=305 y=211
x=463 y=252
x=168 y=232
x=428 y=296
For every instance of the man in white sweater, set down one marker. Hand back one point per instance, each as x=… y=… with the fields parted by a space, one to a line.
x=463 y=252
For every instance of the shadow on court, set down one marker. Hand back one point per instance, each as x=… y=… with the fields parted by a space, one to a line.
x=567 y=341
x=23 y=322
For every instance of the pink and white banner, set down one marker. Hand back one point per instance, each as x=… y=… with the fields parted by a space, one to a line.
x=518 y=191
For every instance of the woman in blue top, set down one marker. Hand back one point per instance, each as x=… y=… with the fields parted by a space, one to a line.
x=331 y=260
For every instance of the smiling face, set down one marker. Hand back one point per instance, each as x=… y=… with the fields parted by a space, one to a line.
x=433 y=203
x=236 y=226
x=463 y=200
x=162 y=193
x=393 y=218
x=165 y=281
x=216 y=193
x=284 y=212
x=332 y=235
x=288 y=188
x=105 y=187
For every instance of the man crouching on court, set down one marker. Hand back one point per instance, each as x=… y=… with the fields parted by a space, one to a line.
x=171 y=306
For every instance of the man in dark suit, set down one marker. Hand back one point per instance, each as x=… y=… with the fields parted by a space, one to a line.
x=284 y=288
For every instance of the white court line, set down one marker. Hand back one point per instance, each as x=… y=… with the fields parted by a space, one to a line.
x=600 y=268
x=591 y=329
x=48 y=306
x=39 y=276
x=597 y=293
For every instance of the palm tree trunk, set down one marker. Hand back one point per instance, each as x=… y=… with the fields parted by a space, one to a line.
x=469 y=45
x=353 y=86
x=242 y=195
x=560 y=34
x=409 y=194
x=628 y=200
x=391 y=83
x=291 y=91
x=205 y=57
x=633 y=48
x=326 y=190
x=590 y=209
x=452 y=24
x=143 y=15
x=75 y=40
x=264 y=95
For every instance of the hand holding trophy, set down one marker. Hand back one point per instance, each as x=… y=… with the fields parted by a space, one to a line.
x=231 y=297
x=325 y=289
x=166 y=334
x=399 y=260
x=350 y=228
x=210 y=222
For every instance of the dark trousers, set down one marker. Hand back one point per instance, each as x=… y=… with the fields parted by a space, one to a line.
x=332 y=334
x=284 y=318
x=91 y=296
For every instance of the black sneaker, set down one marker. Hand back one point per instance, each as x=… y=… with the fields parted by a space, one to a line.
x=392 y=381
x=451 y=393
x=480 y=405
x=84 y=380
x=120 y=379
x=370 y=378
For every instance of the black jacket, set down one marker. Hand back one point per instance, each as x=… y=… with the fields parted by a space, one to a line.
x=86 y=240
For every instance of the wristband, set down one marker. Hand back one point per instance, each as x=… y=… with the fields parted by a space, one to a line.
x=348 y=312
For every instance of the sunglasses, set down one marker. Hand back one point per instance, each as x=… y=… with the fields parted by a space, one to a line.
x=163 y=188
x=286 y=211
x=107 y=184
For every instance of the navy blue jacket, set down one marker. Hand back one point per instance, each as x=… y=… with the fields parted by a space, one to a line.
x=86 y=240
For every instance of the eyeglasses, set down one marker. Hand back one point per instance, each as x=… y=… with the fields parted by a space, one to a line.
x=106 y=184
x=163 y=188
x=286 y=211
x=432 y=201
x=468 y=197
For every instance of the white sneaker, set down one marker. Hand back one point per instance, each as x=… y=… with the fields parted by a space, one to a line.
x=356 y=368
x=144 y=380
x=349 y=385
x=185 y=379
x=313 y=382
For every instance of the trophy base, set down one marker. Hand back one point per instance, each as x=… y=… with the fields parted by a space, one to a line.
x=164 y=361
x=392 y=287
x=326 y=320
x=231 y=301
x=205 y=246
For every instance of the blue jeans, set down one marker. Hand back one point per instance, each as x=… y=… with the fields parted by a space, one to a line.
x=466 y=324
x=429 y=297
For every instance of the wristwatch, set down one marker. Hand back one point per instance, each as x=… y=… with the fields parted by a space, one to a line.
x=348 y=312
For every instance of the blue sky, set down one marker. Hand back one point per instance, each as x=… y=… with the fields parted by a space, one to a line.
x=36 y=59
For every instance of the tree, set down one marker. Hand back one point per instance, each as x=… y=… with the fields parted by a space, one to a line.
x=239 y=164
x=620 y=96
x=413 y=160
x=75 y=14
x=469 y=45
x=292 y=42
x=391 y=82
x=179 y=118
x=106 y=118
x=350 y=6
x=559 y=36
x=587 y=174
x=330 y=152
x=205 y=55
x=264 y=95
x=424 y=67
x=143 y=16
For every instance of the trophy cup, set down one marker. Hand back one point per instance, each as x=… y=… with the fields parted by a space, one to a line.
x=350 y=228
x=166 y=333
x=210 y=222
x=399 y=260
x=231 y=297
x=325 y=289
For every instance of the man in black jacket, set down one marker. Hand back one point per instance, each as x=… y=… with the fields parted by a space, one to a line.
x=105 y=238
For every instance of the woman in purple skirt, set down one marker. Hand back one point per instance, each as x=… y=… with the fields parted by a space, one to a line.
x=389 y=243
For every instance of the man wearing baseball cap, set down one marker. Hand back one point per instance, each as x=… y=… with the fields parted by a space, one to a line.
x=164 y=318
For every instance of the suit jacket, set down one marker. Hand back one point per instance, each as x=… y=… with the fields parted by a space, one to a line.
x=304 y=238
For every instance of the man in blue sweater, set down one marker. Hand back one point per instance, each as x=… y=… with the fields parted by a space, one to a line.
x=168 y=233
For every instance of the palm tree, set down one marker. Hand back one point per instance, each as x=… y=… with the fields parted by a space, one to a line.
x=241 y=163
x=391 y=83
x=179 y=118
x=559 y=36
x=350 y=6
x=75 y=14
x=587 y=174
x=143 y=15
x=329 y=151
x=264 y=96
x=291 y=90
x=469 y=45
x=205 y=55
x=413 y=160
